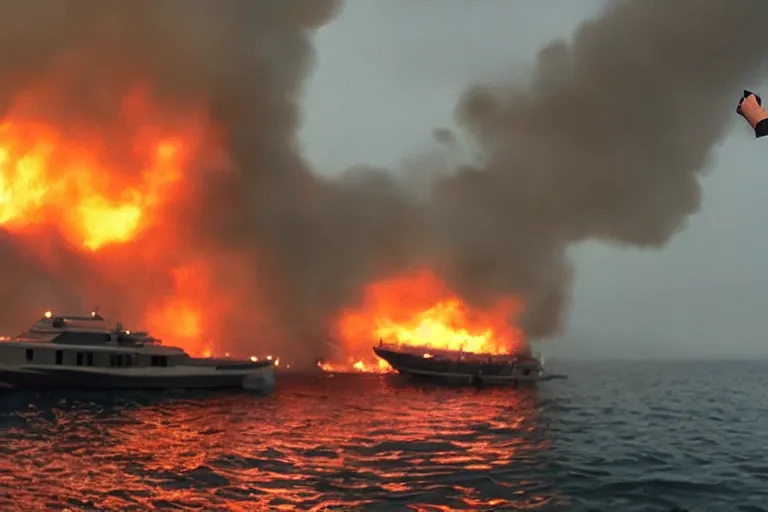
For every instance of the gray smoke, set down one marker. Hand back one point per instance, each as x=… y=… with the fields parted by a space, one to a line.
x=608 y=143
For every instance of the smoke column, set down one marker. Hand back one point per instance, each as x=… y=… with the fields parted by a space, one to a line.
x=608 y=143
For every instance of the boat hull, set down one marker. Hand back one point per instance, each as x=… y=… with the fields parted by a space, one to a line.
x=463 y=372
x=467 y=379
x=259 y=379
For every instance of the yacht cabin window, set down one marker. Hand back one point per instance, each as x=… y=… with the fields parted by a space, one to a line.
x=120 y=360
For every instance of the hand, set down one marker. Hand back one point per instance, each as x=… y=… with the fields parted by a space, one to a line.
x=750 y=108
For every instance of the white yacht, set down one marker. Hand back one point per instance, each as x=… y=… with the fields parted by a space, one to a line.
x=84 y=352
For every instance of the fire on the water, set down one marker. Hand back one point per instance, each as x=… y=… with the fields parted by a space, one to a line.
x=275 y=360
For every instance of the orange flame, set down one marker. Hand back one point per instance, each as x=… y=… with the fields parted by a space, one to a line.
x=113 y=188
x=71 y=180
x=196 y=309
x=107 y=187
x=360 y=366
x=419 y=310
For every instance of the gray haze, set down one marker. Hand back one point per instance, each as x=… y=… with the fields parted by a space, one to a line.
x=606 y=141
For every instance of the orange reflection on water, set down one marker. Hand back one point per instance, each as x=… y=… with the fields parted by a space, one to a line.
x=338 y=443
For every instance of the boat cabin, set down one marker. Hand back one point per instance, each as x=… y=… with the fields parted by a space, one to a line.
x=86 y=341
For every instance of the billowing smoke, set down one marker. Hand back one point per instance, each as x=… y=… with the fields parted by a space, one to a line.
x=607 y=143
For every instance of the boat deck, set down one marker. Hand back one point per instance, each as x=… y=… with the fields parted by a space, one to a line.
x=456 y=355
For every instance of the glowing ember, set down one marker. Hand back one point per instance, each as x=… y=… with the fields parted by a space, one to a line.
x=419 y=310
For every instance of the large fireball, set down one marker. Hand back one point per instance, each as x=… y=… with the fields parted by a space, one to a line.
x=113 y=196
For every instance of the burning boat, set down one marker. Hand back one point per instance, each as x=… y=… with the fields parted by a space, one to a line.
x=462 y=367
x=61 y=351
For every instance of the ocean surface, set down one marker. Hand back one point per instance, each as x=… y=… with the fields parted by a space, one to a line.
x=613 y=437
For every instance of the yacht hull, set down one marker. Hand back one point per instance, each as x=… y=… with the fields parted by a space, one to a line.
x=260 y=379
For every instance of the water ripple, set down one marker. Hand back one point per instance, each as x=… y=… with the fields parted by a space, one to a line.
x=630 y=438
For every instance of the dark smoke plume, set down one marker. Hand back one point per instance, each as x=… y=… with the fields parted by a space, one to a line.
x=608 y=143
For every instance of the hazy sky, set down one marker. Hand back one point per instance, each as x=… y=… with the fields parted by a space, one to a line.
x=389 y=71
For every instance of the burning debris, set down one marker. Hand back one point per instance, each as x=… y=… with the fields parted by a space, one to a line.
x=148 y=162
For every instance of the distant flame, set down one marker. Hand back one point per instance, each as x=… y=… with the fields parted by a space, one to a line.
x=419 y=310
